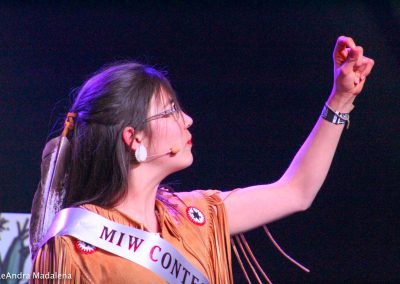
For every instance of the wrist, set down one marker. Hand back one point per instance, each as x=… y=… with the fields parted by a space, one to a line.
x=340 y=102
x=335 y=117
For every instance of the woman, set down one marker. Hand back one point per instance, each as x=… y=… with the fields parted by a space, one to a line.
x=129 y=133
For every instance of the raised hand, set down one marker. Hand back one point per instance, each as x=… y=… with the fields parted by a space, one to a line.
x=351 y=68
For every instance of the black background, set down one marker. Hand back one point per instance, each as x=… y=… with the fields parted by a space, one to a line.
x=254 y=77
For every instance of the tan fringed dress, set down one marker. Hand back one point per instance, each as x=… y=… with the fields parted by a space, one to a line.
x=206 y=246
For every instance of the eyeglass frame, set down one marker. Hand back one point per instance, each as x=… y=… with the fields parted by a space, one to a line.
x=163 y=114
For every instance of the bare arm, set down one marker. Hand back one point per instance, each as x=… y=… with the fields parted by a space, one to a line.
x=253 y=206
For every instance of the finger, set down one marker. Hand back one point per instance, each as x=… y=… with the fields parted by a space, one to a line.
x=354 y=56
x=363 y=71
x=369 y=64
x=343 y=42
x=359 y=87
x=362 y=64
x=360 y=59
x=342 y=49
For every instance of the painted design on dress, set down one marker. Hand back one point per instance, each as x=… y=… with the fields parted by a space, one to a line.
x=195 y=216
x=84 y=247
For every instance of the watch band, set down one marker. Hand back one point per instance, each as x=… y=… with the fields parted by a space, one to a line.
x=335 y=117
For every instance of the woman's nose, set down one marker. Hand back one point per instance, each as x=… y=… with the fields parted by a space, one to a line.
x=187 y=120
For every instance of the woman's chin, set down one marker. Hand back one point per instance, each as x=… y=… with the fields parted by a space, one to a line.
x=184 y=164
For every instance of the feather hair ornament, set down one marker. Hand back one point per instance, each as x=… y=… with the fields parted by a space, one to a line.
x=49 y=196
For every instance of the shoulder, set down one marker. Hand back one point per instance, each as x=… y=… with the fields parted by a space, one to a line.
x=207 y=203
x=111 y=214
x=200 y=196
x=59 y=256
x=58 y=244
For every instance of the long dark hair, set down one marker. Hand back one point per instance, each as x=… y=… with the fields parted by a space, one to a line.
x=114 y=98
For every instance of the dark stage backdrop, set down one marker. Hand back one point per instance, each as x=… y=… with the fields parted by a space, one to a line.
x=254 y=78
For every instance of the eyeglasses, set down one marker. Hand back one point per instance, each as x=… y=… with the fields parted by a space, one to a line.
x=166 y=113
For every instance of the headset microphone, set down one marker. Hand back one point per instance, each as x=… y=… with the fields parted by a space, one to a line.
x=172 y=151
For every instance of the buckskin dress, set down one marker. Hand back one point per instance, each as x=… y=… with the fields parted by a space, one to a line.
x=206 y=246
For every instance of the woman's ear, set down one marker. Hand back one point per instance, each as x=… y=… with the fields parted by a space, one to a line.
x=131 y=138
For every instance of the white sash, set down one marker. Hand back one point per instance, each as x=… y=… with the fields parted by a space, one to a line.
x=146 y=249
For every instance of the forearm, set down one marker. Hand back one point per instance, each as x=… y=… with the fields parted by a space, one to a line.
x=311 y=164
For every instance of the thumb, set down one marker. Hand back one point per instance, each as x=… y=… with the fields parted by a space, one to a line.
x=354 y=55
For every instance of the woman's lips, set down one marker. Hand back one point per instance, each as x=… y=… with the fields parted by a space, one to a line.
x=190 y=142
